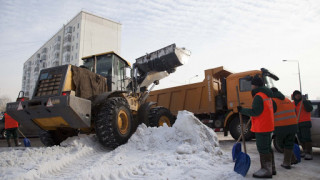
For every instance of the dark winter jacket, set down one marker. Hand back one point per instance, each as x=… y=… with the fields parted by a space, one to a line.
x=283 y=129
x=257 y=104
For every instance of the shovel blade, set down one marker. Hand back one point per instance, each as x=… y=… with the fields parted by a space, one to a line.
x=26 y=142
x=236 y=149
x=242 y=164
x=296 y=151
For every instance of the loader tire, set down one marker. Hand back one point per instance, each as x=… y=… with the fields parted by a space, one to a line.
x=235 y=128
x=113 y=123
x=47 y=138
x=51 y=138
x=160 y=115
x=3 y=134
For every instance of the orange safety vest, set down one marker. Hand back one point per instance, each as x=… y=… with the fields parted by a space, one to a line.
x=304 y=115
x=285 y=114
x=9 y=122
x=265 y=121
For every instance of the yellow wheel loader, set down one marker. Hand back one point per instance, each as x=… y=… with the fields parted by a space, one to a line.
x=105 y=96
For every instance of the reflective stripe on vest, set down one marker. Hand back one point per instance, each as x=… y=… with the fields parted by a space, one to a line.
x=304 y=115
x=9 y=122
x=285 y=114
x=265 y=121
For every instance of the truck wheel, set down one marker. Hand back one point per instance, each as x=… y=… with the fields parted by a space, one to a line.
x=160 y=115
x=113 y=123
x=276 y=145
x=235 y=128
x=47 y=138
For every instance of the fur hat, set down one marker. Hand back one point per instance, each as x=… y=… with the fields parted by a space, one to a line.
x=295 y=93
x=257 y=81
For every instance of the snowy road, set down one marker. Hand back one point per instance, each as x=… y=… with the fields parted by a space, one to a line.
x=188 y=150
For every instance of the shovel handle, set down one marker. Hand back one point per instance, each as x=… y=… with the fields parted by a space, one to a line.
x=241 y=123
x=21 y=133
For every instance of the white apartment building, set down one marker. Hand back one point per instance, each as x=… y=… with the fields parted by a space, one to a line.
x=84 y=35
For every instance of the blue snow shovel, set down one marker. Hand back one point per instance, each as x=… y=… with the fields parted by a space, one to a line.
x=237 y=146
x=296 y=151
x=243 y=160
x=26 y=141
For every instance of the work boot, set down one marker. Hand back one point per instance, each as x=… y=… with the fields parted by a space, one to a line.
x=9 y=143
x=294 y=159
x=302 y=152
x=266 y=167
x=308 y=155
x=16 y=142
x=274 y=172
x=287 y=158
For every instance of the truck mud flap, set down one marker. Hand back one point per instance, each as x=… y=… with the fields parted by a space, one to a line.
x=52 y=113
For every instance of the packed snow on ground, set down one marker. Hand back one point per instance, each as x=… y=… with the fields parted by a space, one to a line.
x=188 y=150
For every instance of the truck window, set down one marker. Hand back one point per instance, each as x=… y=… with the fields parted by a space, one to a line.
x=245 y=85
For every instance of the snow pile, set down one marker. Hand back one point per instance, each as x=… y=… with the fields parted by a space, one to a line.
x=188 y=150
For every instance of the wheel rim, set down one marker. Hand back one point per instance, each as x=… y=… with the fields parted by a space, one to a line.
x=123 y=122
x=164 y=119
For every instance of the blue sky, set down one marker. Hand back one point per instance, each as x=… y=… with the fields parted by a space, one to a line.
x=240 y=35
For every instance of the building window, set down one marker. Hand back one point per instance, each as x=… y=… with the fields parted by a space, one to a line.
x=76 y=55
x=78 y=25
x=74 y=28
x=77 y=35
x=72 y=48
x=77 y=46
x=72 y=38
x=71 y=58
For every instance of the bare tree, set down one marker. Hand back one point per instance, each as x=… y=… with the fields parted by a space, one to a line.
x=3 y=102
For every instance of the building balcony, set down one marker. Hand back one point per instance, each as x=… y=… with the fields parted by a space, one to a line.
x=44 y=50
x=68 y=30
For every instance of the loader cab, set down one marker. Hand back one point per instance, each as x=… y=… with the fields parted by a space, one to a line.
x=111 y=66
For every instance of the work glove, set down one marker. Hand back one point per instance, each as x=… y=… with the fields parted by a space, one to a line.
x=239 y=108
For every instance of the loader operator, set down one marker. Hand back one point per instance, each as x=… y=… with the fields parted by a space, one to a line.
x=304 y=124
x=285 y=123
x=263 y=125
x=11 y=127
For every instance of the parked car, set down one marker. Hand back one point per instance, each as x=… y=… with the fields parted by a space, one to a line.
x=315 y=130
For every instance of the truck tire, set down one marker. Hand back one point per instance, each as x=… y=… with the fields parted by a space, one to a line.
x=113 y=123
x=235 y=128
x=160 y=115
x=276 y=145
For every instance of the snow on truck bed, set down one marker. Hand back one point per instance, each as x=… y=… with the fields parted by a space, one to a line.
x=188 y=150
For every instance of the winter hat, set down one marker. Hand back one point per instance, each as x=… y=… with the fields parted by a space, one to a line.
x=274 y=89
x=295 y=93
x=257 y=81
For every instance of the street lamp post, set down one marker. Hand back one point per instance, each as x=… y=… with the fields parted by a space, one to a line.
x=300 y=92
x=298 y=71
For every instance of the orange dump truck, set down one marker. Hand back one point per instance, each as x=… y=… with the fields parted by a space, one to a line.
x=214 y=100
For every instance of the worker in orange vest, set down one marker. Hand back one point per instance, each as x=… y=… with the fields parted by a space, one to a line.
x=11 y=127
x=285 y=123
x=304 y=124
x=263 y=125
